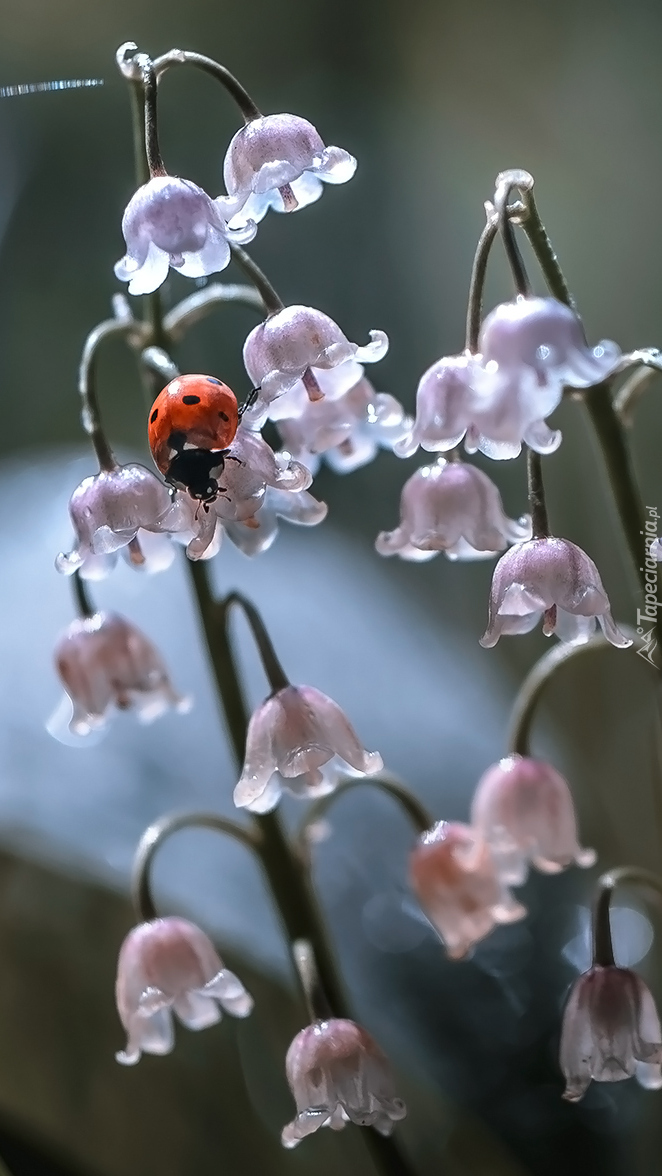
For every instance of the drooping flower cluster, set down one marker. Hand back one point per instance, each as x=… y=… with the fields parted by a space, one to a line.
x=522 y=812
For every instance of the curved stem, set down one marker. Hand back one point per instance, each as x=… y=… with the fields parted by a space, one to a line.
x=153 y=838
x=477 y=283
x=84 y=605
x=193 y=309
x=274 y=671
x=631 y=392
x=152 y=149
x=520 y=276
x=137 y=94
x=602 y=412
x=157 y=361
x=536 y=491
x=207 y=64
x=602 y=945
x=90 y=413
x=533 y=686
x=416 y=812
x=262 y=284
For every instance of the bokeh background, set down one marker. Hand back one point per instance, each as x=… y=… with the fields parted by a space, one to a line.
x=434 y=98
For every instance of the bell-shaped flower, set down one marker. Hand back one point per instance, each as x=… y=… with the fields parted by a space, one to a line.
x=173 y=222
x=523 y=809
x=250 y=468
x=553 y=580
x=531 y=349
x=279 y=161
x=170 y=966
x=611 y=1030
x=127 y=510
x=455 y=879
x=338 y=1074
x=545 y=338
x=257 y=534
x=103 y=661
x=297 y=732
x=455 y=508
x=290 y=343
x=347 y=430
x=445 y=401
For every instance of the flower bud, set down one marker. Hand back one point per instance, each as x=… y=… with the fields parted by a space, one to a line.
x=554 y=579
x=170 y=966
x=455 y=508
x=284 y=348
x=611 y=1030
x=279 y=161
x=298 y=732
x=523 y=808
x=112 y=512
x=104 y=661
x=454 y=877
x=338 y=1074
x=173 y=222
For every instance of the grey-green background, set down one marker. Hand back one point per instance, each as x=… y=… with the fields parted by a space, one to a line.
x=434 y=99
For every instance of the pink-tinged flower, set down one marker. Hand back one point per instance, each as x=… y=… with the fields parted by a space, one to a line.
x=172 y=222
x=523 y=809
x=284 y=349
x=347 y=431
x=125 y=510
x=103 y=661
x=455 y=508
x=279 y=161
x=445 y=401
x=170 y=966
x=543 y=337
x=259 y=532
x=455 y=879
x=531 y=348
x=338 y=1074
x=611 y=1030
x=551 y=579
x=251 y=468
x=297 y=732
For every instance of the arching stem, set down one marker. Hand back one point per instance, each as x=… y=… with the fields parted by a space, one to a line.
x=413 y=808
x=262 y=284
x=196 y=306
x=87 y=371
x=154 y=837
x=274 y=671
x=317 y=1004
x=505 y=185
x=477 y=283
x=207 y=64
x=84 y=606
x=603 y=953
x=152 y=148
x=536 y=491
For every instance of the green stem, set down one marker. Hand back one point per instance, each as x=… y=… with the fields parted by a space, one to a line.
x=417 y=813
x=636 y=875
x=477 y=284
x=270 y=298
x=602 y=413
x=84 y=605
x=536 y=490
x=207 y=64
x=274 y=671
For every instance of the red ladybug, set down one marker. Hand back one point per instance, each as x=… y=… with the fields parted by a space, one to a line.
x=192 y=423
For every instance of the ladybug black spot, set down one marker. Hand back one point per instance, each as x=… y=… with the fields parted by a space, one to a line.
x=211 y=380
x=190 y=399
x=224 y=416
x=153 y=416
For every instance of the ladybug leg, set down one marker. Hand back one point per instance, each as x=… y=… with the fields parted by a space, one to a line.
x=249 y=402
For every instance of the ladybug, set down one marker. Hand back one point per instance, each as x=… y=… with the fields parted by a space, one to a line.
x=192 y=423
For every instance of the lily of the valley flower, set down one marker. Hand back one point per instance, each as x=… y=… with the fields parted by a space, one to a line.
x=553 y=579
x=103 y=661
x=251 y=468
x=256 y=534
x=173 y=222
x=611 y=1030
x=291 y=342
x=451 y=507
x=279 y=161
x=455 y=879
x=127 y=510
x=347 y=431
x=523 y=809
x=444 y=405
x=304 y=736
x=338 y=1074
x=170 y=966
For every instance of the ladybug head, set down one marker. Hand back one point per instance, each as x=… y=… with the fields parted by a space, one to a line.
x=194 y=470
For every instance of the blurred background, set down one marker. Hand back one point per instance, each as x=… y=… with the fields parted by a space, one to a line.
x=434 y=97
